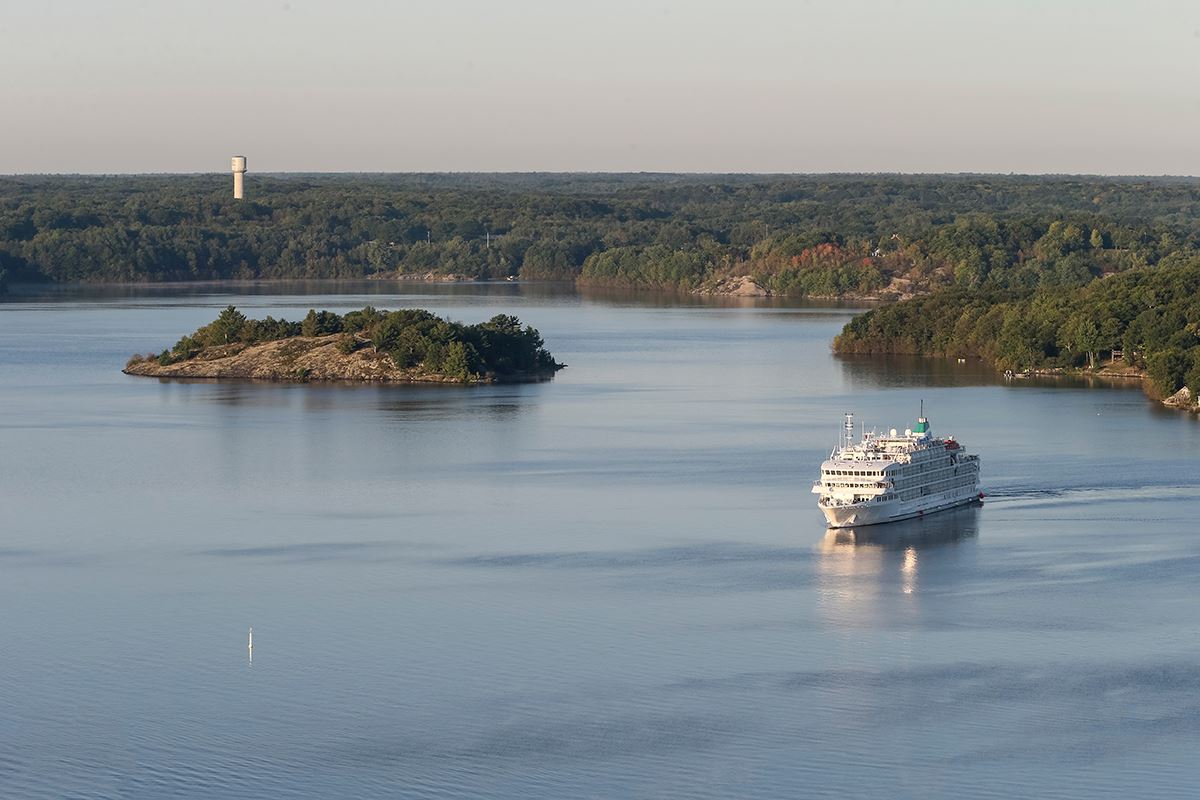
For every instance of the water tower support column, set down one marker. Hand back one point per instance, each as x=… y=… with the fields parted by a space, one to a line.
x=239 y=172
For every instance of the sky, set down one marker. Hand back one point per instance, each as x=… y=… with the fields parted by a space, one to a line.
x=1059 y=86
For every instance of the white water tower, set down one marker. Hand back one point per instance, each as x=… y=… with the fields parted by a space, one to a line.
x=239 y=172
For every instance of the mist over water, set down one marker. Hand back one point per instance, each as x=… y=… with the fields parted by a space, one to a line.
x=616 y=583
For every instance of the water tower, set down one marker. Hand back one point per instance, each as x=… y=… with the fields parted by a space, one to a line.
x=239 y=172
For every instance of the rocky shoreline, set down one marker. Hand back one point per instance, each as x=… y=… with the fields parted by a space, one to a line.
x=746 y=286
x=428 y=277
x=1183 y=400
x=301 y=359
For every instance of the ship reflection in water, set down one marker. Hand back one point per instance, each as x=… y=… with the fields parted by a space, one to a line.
x=876 y=574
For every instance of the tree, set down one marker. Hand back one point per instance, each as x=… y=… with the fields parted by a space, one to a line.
x=1081 y=335
x=1167 y=369
x=320 y=323
x=309 y=326
x=456 y=360
x=1110 y=333
x=226 y=327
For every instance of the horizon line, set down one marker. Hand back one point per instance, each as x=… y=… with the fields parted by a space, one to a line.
x=686 y=173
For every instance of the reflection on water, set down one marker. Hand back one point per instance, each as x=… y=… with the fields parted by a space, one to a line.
x=609 y=296
x=190 y=292
x=606 y=585
x=27 y=293
x=935 y=530
x=876 y=574
x=889 y=371
x=404 y=401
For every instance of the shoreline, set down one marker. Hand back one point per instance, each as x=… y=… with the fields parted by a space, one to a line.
x=17 y=290
x=744 y=286
x=1183 y=400
x=307 y=359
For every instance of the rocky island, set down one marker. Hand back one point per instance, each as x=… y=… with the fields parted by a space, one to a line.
x=366 y=346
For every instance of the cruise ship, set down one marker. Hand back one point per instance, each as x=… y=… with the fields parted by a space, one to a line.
x=884 y=478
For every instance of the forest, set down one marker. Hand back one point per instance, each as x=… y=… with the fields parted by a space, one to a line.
x=795 y=235
x=410 y=337
x=1150 y=316
x=1025 y=271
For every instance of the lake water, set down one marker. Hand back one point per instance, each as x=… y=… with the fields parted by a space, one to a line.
x=613 y=584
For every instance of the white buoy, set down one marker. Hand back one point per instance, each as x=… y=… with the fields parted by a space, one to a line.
x=250 y=644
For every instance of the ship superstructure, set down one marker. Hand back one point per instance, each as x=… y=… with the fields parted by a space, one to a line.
x=894 y=476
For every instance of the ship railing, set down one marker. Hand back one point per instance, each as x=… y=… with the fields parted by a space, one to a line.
x=853 y=485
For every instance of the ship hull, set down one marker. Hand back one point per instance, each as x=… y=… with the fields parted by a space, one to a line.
x=853 y=516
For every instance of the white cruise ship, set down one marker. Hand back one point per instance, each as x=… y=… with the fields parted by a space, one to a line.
x=884 y=478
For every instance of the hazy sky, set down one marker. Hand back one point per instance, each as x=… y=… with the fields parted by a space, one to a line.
x=1101 y=86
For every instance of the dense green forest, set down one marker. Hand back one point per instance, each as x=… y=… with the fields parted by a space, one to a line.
x=1151 y=316
x=411 y=337
x=826 y=235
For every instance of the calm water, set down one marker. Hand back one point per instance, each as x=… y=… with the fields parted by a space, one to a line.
x=615 y=584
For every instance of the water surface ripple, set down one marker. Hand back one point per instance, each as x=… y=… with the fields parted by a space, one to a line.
x=614 y=584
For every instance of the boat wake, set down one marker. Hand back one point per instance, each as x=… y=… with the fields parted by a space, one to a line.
x=1037 y=497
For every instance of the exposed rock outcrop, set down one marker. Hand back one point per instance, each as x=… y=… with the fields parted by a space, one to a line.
x=737 y=286
x=1183 y=399
x=296 y=359
x=423 y=277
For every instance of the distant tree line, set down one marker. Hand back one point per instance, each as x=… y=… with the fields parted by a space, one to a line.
x=828 y=235
x=410 y=337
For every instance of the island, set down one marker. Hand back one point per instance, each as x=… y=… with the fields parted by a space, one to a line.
x=365 y=346
x=1142 y=323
